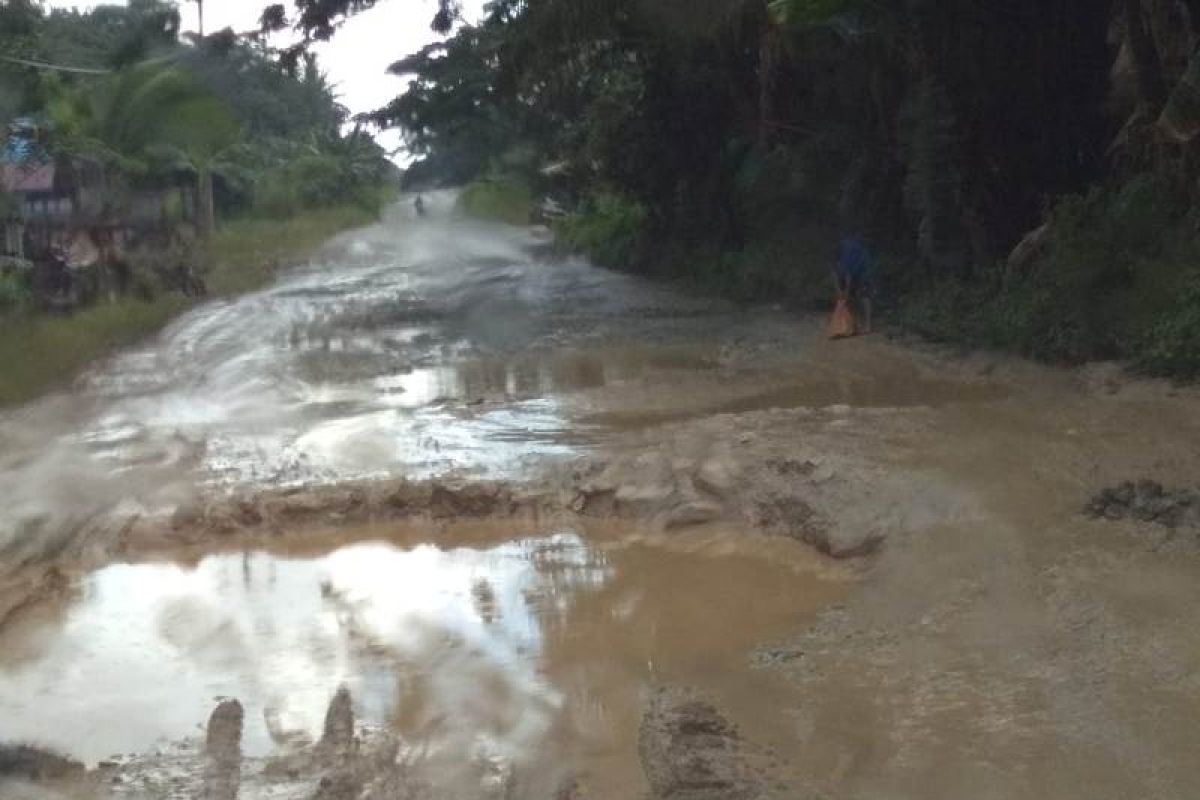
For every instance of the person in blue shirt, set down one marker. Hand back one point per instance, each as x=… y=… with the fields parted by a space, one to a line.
x=852 y=275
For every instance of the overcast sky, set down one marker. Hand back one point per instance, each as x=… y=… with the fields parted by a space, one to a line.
x=357 y=58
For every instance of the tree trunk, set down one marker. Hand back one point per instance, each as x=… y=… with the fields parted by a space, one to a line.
x=1193 y=15
x=1151 y=84
x=205 y=212
x=768 y=58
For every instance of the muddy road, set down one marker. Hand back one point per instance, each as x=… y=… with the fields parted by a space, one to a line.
x=561 y=533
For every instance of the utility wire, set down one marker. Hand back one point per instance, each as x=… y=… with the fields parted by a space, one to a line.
x=56 y=67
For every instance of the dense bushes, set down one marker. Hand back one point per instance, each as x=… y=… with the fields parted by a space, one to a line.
x=1172 y=345
x=13 y=291
x=498 y=198
x=1117 y=280
x=610 y=228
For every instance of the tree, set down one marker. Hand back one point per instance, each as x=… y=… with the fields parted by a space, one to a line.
x=318 y=20
x=152 y=115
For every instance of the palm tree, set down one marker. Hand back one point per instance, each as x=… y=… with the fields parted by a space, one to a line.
x=155 y=113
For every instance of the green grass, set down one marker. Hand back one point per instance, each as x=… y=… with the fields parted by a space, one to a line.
x=498 y=199
x=39 y=352
x=246 y=254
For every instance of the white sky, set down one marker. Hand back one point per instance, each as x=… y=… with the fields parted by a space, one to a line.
x=357 y=58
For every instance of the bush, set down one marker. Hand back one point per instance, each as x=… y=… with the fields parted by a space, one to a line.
x=609 y=228
x=13 y=291
x=498 y=198
x=1171 y=348
x=314 y=182
x=1111 y=273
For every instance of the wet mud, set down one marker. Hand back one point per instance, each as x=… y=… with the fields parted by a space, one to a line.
x=443 y=516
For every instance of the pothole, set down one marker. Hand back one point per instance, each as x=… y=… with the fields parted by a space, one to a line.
x=482 y=653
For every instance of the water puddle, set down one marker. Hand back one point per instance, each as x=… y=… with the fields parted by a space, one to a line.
x=535 y=652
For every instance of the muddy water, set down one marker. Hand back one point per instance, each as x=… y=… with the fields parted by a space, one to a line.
x=413 y=347
x=530 y=652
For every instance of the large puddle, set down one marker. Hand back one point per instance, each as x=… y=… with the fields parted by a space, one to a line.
x=531 y=652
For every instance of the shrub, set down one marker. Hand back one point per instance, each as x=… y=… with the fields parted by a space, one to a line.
x=1171 y=348
x=498 y=198
x=13 y=291
x=609 y=228
x=1114 y=261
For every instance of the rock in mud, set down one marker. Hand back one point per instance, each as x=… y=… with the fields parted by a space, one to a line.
x=341 y=785
x=688 y=515
x=689 y=751
x=223 y=752
x=1147 y=501
x=595 y=502
x=717 y=476
x=23 y=761
x=789 y=514
x=468 y=501
x=640 y=486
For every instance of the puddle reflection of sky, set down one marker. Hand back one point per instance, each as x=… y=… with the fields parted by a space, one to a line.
x=448 y=641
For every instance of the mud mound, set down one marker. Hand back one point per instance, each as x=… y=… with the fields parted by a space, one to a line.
x=1147 y=501
x=24 y=761
x=223 y=751
x=689 y=751
x=273 y=512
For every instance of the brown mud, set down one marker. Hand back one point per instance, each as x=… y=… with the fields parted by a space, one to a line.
x=731 y=560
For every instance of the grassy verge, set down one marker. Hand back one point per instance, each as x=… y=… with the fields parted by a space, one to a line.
x=39 y=352
x=498 y=199
x=245 y=254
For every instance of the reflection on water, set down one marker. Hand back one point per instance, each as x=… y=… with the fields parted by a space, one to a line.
x=389 y=354
x=152 y=645
x=531 y=652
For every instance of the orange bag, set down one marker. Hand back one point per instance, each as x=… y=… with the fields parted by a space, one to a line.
x=841 y=324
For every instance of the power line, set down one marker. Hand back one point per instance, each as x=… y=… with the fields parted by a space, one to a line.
x=55 y=67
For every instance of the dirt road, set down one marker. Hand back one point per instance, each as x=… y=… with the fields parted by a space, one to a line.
x=513 y=502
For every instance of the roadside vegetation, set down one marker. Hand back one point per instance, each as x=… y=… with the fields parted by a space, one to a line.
x=1028 y=173
x=145 y=169
x=498 y=198
x=40 y=352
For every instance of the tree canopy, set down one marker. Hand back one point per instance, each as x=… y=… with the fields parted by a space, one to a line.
x=149 y=107
x=740 y=138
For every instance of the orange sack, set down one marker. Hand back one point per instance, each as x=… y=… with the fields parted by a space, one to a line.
x=841 y=324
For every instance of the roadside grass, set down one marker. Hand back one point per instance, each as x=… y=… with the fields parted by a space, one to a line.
x=246 y=254
x=498 y=198
x=39 y=352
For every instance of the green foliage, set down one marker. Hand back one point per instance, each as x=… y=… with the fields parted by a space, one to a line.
x=609 y=228
x=1116 y=282
x=1172 y=345
x=13 y=292
x=40 y=352
x=498 y=198
x=1031 y=318
x=245 y=254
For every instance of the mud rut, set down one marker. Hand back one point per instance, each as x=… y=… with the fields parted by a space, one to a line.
x=965 y=629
